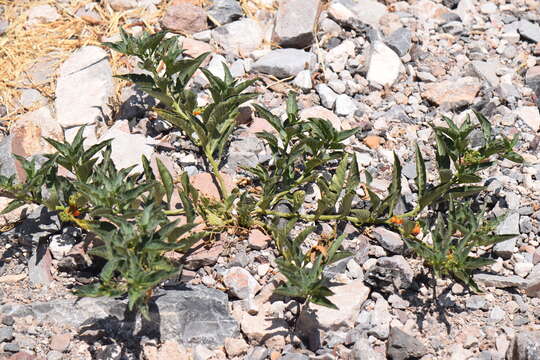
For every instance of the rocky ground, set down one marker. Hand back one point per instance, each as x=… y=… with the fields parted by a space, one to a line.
x=389 y=68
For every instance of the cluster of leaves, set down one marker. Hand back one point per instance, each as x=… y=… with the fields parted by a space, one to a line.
x=128 y=211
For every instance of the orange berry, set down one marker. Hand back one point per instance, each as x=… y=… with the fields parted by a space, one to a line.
x=197 y=112
x=416 y=229
x=396 y=220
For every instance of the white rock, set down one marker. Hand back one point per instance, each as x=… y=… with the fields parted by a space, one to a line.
x=327 y=95
x=84 y=87
x=241 y=283
x=42 y=14
x=384 y=65
x=345 y=106
x=215 y=66
x=348 y=298
x=127 y=149
x=337 y=57
x=240 y=37
x=523 y=268
x=303 y=80
x=530 y=115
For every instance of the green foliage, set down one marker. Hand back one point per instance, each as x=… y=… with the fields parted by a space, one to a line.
x=454 y=238
x=304 y=270
x=129 y=211
x=134 y=251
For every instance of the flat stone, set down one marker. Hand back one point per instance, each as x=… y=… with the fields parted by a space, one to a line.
x=499 y=281
x=29 y=130
x=127 y=149
x=6 y=334
x=185 y=18
x=533 y=288
x=524 y=346
x=225 y=11
x=283 y=63
x=389 y=240
x=122 y=5
x=399 y=41
x=205 y=184
x=241 y=283
x=295 y=22
x=31 y=97
x=528 y=30
x=235 y=347
x=530 y=115
x=42 y=14
x=84 y=87
x=321 y=112
x=402 y=346
x=390 y=273
x=195 y=48
x=384 y=65
x=453 y=94
x=196 y=315
x=258 y=240
x=348 y=298
x=476 y=302
x=239 y=38
x=486 y=70
x=350 y=12
x=345 y=105
x=263 y=330
x=362 y=350
x=60 y=342
x=327 y=95
x=39 y=268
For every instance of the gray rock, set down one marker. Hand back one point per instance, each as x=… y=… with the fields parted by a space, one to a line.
x=225 y=11
x=283 y=63
x=510 y=225
x=40 y=224
x=257 y=353
x=453 y=27
x=295 y=22
x=32 y=97
x=362 y=350
x=84 y=87
x=247 y=151
x=476 y=302
x=54 y=355
x=239 y=37
x=4 y=24
x=390 y=273
x=11 y=347
x=496 y=314
x=196 y=315
x=345 y=106
x=8 y=165
x=389 y=240
x=6 y=334
x=294 y=356
x=353 y=13
x=39 y=267
x=399 y=41
x=402 y=346
x=528 y=30
x=524 y=346
x=486 y=70
x=500 y=281
x=303 y=80
x=328 y=96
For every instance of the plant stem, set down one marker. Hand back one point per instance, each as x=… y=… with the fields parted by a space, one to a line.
x=307 y=217
x=215 y=170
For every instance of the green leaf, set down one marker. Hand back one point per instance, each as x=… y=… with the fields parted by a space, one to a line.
x=420 y=179
x=166 y=179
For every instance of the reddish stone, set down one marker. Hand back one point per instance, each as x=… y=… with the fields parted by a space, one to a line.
x=258 y=240
x=195 y=48
x=60 y=342
x=185 y=18
x=373 y=141
x=203 y=256
x=25 y=356
x=206 y=186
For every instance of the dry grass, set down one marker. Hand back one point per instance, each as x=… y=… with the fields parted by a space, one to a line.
x=22 y=45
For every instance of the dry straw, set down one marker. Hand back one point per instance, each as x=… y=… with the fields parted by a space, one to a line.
x=23 y=45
